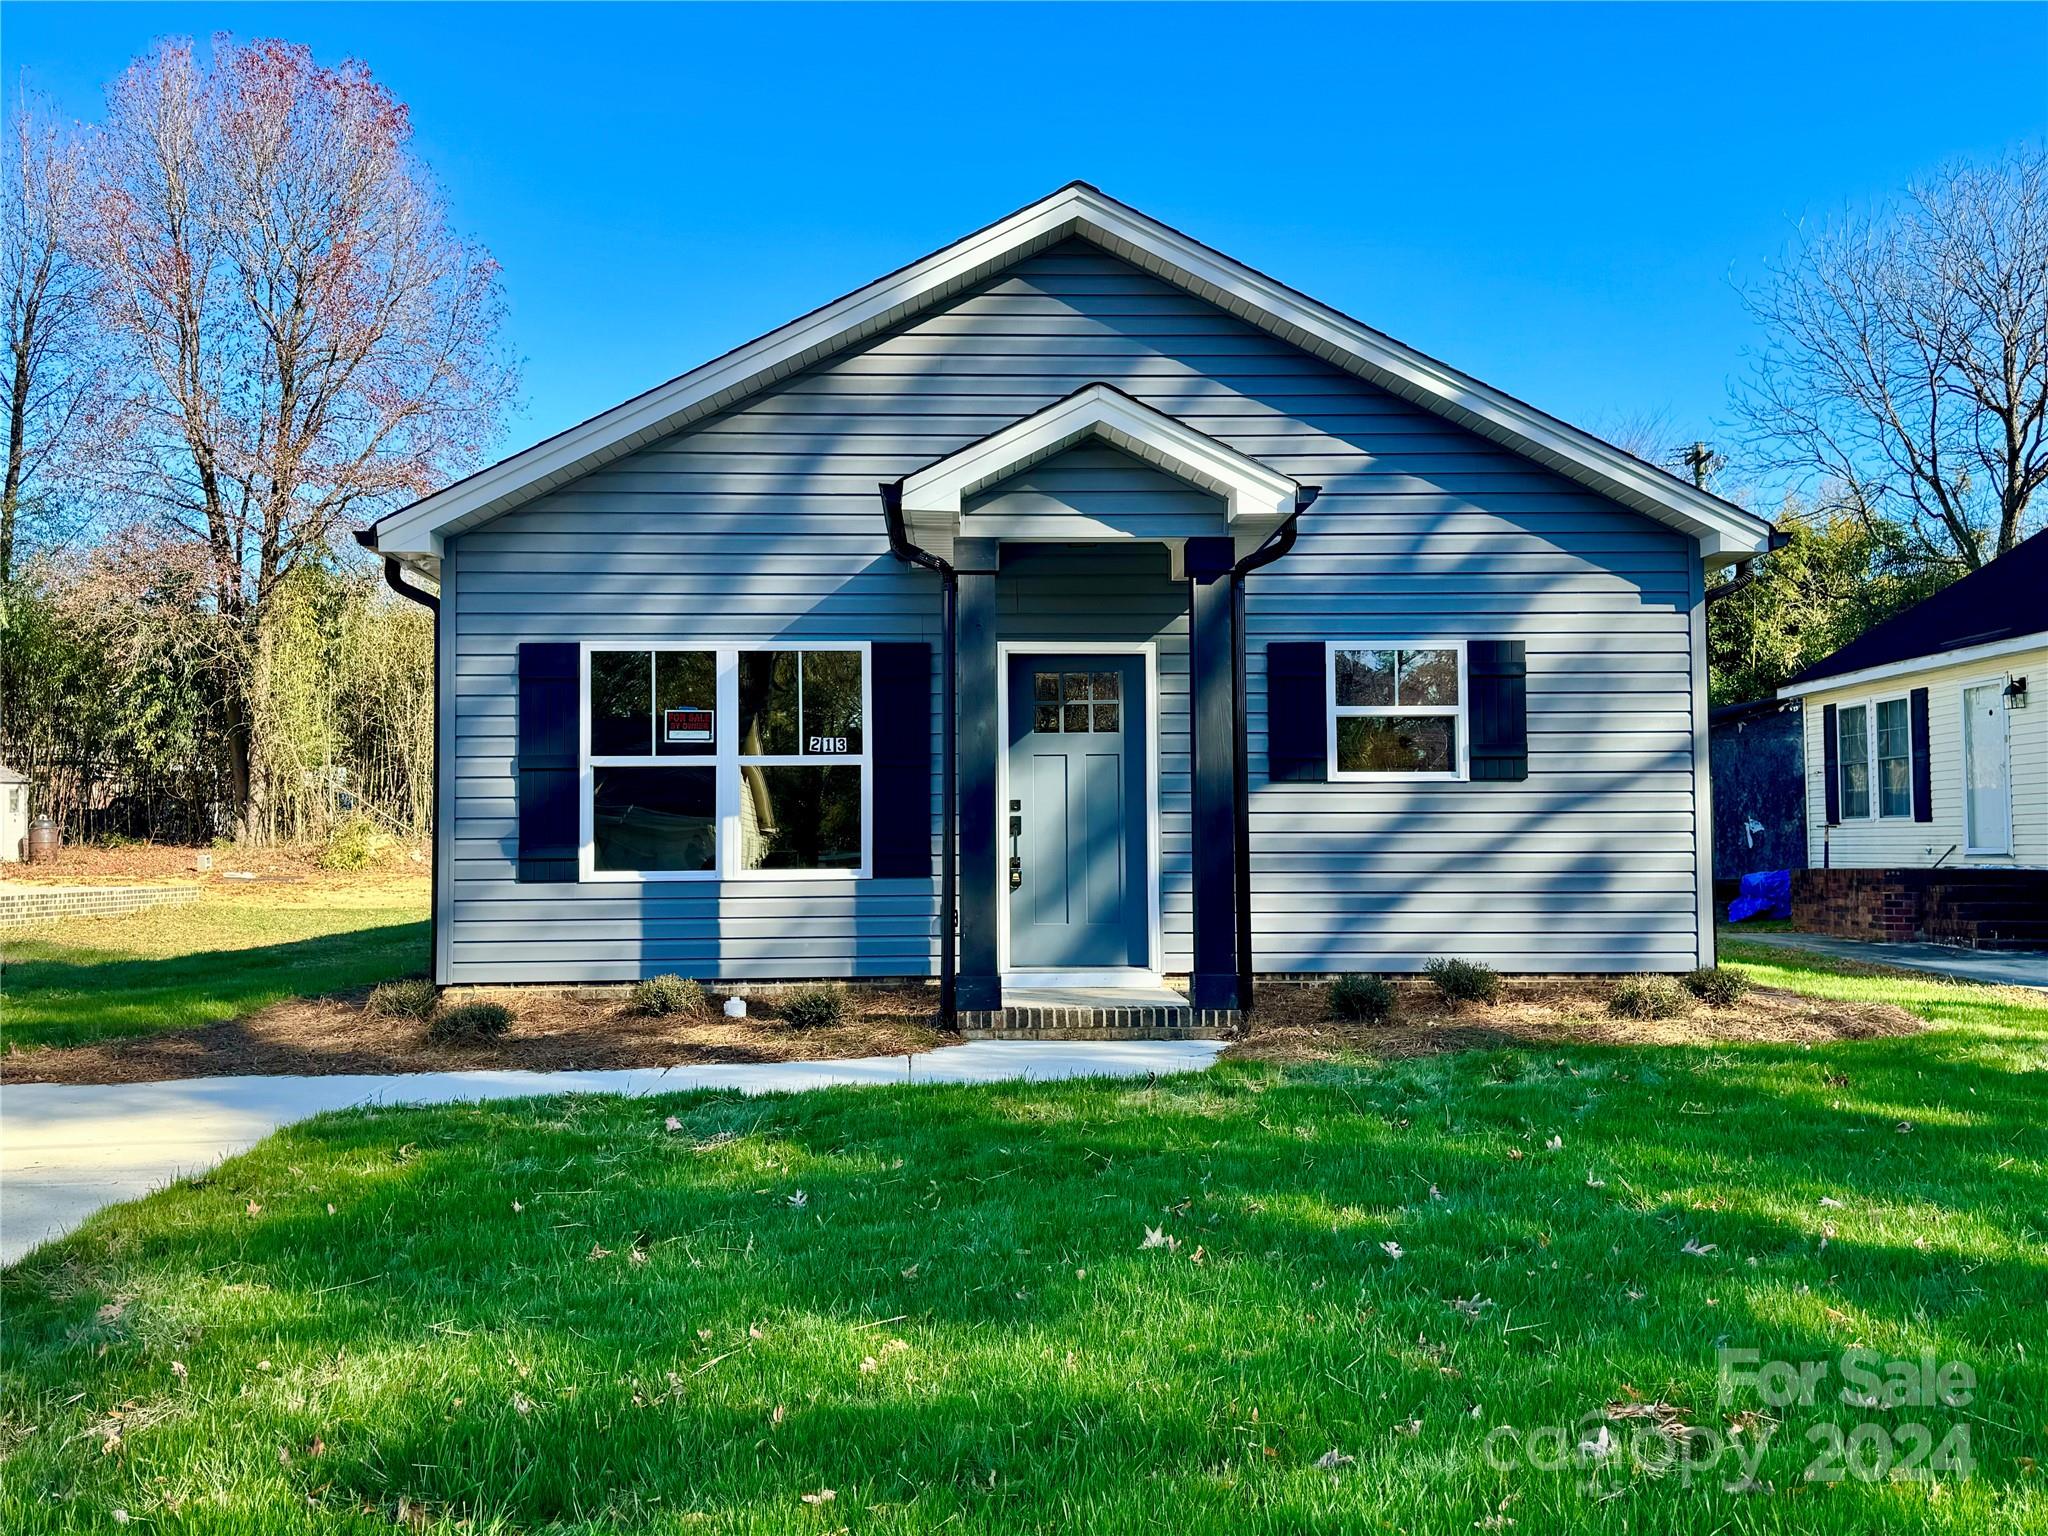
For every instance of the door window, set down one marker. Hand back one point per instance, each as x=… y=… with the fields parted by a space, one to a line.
x=1986 y=786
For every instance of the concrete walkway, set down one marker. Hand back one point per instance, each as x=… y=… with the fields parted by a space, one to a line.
x=66 y=1151
x=1997 y=968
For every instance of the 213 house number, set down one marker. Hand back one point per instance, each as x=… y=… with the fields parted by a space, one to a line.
x=827 y=746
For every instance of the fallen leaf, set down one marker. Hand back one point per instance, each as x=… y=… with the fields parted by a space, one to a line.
x=1696 y=1248
x=799 y=1200
x=1555 y=1144
x=1332 y=1459
x=1600 y=1447
x=255 y=1209
x=672 y=1123
x=178 y=1369
x=1392 y=1250
x=822 y=1496
x=1155 y=1237
x=1591 y=1183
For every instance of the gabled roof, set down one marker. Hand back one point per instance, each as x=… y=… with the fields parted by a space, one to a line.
x=1986 y=611
x=1724 y=531
x=1251 y=492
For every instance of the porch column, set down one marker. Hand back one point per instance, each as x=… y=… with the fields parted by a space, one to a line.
x=977 y=688
x=1213 y=743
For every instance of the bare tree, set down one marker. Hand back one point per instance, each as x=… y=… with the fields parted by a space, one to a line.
x=309 y=343
x=52 y=384
x=1906 y=359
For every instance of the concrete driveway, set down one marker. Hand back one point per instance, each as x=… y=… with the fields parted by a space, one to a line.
x=66 y=1151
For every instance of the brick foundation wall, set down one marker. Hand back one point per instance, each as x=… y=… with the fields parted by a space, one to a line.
x=1970 y=908
x=23 y=905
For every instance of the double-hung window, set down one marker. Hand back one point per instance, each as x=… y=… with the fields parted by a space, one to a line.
x=725 y=762
x=1874 y=752
x=1397 y=710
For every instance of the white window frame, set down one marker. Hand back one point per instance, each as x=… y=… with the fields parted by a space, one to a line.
x=1874 y=810
x=724 y=762
x=1460 y=712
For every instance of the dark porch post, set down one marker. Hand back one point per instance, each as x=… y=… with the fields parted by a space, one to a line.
x=976 y=685
x=1213 y=730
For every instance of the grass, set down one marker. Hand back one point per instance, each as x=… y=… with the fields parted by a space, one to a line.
x=588 y=1314
x=236 y=949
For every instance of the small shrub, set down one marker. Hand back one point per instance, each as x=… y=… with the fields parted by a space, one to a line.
x=412 y=998
x=1464 y=981
x=1361 y=999
x=1649 y=997
x=469 y=1024
x=814 y=1007
x=355 y=844
x=661 y=995
x=1717 y=986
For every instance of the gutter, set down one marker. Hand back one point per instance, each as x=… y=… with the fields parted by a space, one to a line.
x=1746 y=571
x=367 y=537
x=1277 y=544
x=903 y=549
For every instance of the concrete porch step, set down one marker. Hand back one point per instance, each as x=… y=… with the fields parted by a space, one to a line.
x=1098 y=1013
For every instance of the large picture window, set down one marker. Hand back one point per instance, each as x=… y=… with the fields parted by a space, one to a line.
x=1397 y=710
x=726 y=762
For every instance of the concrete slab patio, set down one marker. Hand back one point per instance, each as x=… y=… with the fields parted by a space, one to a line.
x=1994 y=968
x=66 y=1151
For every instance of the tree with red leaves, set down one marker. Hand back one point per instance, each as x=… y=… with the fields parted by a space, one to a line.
x=306 y=341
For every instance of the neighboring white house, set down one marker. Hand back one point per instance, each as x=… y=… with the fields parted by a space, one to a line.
x=1927 y=738
x=13 y=814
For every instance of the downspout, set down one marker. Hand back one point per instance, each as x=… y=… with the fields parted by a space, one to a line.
x=367 y=537
x=1277 y=545
x=949 y=872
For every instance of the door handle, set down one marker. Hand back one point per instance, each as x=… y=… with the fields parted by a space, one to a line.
x=1016 y=860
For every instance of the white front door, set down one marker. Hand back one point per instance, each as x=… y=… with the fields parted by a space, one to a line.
x=1987 y=779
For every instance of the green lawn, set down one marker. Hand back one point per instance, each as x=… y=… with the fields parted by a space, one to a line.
x=234 y=950
x=580 y=1315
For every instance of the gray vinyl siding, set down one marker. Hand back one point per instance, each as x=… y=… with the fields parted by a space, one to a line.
x=763 y=523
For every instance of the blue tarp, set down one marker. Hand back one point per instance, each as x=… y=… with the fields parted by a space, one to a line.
x=1767 y=893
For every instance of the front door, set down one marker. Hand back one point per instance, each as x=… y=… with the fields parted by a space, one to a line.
x=1987 y=771
x=1074 y=824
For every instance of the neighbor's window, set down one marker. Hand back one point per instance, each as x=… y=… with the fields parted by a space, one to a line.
x=802 y=758
x=1894 y=759
x=726 y=760
x=1852 y=732
x=1397 y=710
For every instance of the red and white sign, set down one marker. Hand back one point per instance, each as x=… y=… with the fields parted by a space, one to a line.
x=685 y=725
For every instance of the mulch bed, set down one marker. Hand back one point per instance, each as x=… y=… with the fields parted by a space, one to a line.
x=551 y=1031
x=1291 y=1024
x=170 y=863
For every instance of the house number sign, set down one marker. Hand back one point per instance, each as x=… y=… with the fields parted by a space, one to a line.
x=827 y=746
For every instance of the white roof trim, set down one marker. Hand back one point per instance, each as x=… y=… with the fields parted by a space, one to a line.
x=1250 y=491
x=1724 y=531
x=1969 y=655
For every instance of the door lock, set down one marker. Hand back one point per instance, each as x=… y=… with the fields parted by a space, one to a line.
x=1016 y=860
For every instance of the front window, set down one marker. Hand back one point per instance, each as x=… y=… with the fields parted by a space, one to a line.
x=1397 y=711
x=725 y=761
x=1852 y=730
x=1894 y=759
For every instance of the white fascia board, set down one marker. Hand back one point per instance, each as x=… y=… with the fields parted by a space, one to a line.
x=1249 y=489
x=1969 y=655
x=1725 y=531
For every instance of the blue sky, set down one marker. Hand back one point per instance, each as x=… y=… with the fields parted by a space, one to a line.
x=1556 y=199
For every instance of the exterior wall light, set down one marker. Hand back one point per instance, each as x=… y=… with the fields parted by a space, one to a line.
x=2016 y=693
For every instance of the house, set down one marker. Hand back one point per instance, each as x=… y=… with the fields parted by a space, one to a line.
x=14 y=792
x=1256 y=642
x=1923 y=756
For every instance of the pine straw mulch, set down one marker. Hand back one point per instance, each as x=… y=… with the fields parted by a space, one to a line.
x=1291 y=1024
x=551 y=1031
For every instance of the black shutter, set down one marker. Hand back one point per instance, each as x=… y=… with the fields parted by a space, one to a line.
x=1831 y=765
x=548 y=831
x=1923 y=763
x=902 y=724
x=1497 y=673
x=1297 y=710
